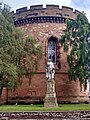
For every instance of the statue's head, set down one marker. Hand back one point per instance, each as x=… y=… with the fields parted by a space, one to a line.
x=49 y=60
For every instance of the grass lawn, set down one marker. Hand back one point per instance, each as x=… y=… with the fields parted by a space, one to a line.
x=62 y=107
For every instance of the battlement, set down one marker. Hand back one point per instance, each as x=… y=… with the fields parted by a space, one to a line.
x=36 y=7
x=21 y=10
x=52 y=6
x=36 y=11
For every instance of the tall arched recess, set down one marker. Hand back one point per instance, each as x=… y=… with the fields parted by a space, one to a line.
x=54 y=50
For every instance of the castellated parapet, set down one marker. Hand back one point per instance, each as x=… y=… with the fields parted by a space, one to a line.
x=38 y=14
x=46 y=25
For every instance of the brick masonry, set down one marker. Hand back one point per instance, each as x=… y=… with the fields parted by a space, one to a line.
x=44 y=27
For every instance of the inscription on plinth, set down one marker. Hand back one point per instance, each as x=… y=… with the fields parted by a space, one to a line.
x=50 y=99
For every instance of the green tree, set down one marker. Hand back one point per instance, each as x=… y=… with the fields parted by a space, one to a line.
x=18 y=57
x=75 y=44
x=31 y=54
x=8 y=70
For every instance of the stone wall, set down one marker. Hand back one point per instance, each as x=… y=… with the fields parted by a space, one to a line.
x=44 y=24
x=71 y=115
x=39 y=10
x=66 y=91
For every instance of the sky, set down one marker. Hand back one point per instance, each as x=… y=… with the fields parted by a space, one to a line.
x=81 y=5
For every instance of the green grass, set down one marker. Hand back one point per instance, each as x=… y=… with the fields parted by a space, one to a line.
x=62 y=107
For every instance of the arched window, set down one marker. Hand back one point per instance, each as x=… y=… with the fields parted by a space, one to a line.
x=52 y=50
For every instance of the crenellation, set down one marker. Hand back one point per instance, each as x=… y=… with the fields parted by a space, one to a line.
x=46 y=24
x=21 y=10
x=36 y=7
x=50 y=10
x=67 y=8
x=67 y=12
x=52 y=6
x=77 y=12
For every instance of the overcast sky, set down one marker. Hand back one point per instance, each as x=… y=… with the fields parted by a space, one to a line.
x=81 y=5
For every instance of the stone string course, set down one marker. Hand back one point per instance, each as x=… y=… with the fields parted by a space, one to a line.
x=75 y=115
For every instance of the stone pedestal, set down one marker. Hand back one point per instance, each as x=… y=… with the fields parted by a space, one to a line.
x=50 y=99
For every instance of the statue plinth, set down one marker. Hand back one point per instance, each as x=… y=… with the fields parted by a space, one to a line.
x=50 y=99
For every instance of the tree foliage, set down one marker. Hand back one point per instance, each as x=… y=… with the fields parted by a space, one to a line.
x=17 y=56
x=31 y=54
x=75 y=44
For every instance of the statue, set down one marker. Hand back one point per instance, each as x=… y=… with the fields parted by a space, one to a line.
x=50 y=98
x=50 y=70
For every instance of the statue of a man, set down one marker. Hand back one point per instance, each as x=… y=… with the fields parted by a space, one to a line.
x=50 y=70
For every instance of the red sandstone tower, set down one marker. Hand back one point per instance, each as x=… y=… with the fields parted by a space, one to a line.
x=47 y=25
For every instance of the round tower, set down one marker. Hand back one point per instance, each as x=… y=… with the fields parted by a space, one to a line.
x=47 y=26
